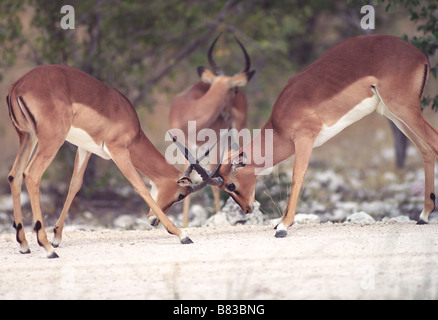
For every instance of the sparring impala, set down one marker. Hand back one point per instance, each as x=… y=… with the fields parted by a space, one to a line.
x=354 y=78
x=53 y=104
x=215 y=102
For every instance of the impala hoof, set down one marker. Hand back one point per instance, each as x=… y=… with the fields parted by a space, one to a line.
x=52 y=255
x=24 y=251
x=421 y=221
x=154 y=221
x=186 y=240
x=281 y=234
x=55 y=242
x=281 y=230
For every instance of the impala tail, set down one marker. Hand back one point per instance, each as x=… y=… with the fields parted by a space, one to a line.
x=19 y=112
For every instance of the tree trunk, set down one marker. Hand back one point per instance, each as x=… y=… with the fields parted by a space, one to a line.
x=400 y=143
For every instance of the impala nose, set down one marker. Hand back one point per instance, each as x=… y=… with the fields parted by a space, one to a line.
x=249 y=209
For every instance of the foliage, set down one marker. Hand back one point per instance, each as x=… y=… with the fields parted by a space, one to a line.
x=10 y=31
x=126 y=44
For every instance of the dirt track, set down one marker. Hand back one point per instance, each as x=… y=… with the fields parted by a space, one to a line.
x=328 y=261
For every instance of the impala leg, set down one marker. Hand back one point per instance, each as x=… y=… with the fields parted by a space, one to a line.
x=429 y=176
x=27 y=145
x=419 y=132
x=81 y=162
x=33 y=173
x=216 y=194
x=186 y=209
x=123 y=160
x=217 y=198
x=303 y=151
x=186 y=205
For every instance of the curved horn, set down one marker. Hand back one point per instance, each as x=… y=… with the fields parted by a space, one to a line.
x=213 y=178
x=216 y=69
x=207 y=177
x=210 y=178
x=245 y=53
x=198 y=187
x=215 y=172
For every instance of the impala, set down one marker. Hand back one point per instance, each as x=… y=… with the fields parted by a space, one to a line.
x=215 y=102
x=354 y=78
x=53 y=104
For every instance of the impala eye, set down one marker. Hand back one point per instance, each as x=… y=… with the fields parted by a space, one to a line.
x=231 y=187
x=180 y=197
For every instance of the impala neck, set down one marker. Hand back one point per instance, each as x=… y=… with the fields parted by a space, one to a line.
x=210 y=105
x=150 y=162
x=267 y=149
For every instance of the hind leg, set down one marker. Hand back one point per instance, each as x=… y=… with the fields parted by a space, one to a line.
x=27 y=145
x=429 y=174
x=415 y=127
x=44 y=155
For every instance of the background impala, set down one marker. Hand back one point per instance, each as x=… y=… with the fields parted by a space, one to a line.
x=216 y=102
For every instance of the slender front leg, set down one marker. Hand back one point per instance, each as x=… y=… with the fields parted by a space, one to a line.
x=122 y=159
x=81 y=162
x=186 y=205
x=216 y=192
x=217 y=199
x=303 y=151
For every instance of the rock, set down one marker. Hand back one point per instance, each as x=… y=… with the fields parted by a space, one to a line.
x=6 y=201
x=397 y=219
x=379 y=208
x=390 y=177
x=231 y=214
x=348 y=206
x=217 y=220
x=4 y=217
x=197 y=215
x=47 y=204
x=330 y=180
x=128 y=222
x=302 y=218
x=360 y=217
x=124 y=222
x=274 y=222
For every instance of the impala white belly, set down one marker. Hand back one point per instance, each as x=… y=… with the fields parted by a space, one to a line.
x=364 y=108
x=82 y=139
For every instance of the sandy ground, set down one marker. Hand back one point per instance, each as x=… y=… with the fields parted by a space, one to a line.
x=326 y=261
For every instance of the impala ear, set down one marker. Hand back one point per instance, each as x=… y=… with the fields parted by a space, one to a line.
x=249 y=74
x=206 y=75
x=200 y=70
x=184 y=182
x=239 y=161
x=241 y=79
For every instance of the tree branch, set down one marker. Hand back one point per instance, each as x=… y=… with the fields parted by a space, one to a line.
x=184 y=53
